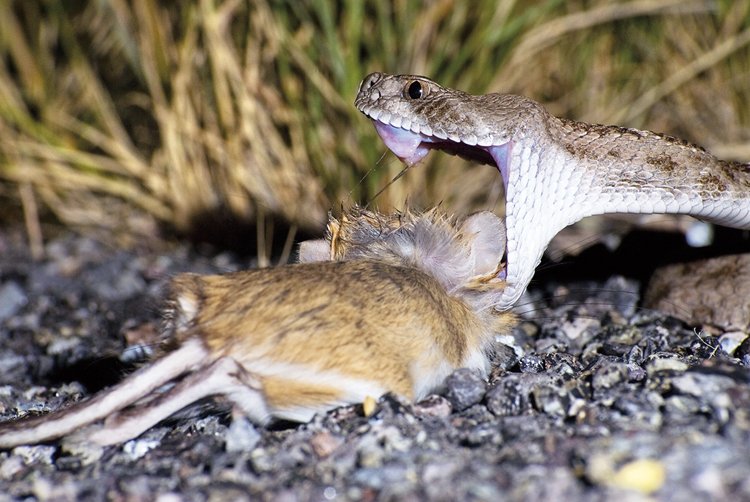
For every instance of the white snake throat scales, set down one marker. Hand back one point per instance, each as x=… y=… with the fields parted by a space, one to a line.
x=556 y=171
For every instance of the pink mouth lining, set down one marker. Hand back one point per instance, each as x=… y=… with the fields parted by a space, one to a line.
x=406 y=145
x=411 y=147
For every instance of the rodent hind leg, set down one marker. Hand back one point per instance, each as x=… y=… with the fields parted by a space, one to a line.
x=222 y=377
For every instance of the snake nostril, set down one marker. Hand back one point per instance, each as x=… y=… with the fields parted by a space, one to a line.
x=369 y=81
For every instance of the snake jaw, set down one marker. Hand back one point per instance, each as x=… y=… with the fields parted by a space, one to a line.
x=406 y=145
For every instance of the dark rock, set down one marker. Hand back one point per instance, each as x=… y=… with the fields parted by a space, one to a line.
x=509 y=396
x=433 y=406
x=504 y=357
x=743 y=351
x=531 y=363
x=618 y=294
x=551 y=400
x=12 y=298
x=464 y=388
x=608 y=374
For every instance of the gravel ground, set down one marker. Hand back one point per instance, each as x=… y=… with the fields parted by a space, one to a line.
x=591 y=398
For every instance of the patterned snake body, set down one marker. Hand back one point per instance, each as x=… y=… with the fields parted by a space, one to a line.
x=555 y=171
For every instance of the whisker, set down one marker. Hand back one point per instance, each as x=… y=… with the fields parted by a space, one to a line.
x=590 y=301
x=367 y=174
x=551 y=265
x=569 y=291
x=399 y=175
x=574 y=248
x=628 y=226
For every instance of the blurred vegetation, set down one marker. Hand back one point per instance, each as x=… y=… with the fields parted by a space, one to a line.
x=121 y=115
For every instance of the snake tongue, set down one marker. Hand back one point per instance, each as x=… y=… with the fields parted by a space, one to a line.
x=406 y=145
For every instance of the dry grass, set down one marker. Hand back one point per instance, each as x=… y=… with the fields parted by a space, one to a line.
x=179 y=110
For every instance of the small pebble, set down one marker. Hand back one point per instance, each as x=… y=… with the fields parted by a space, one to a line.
x=670 y=362
x=531 y=363
x=12 y=299
x=608 y=374
x=324 y=443
x=504 y=357
x=643 y=475
x=619 y=294
x=702 y=384
x=731 y=341
x=482 y=435
x=369 y=405
x=241 y=435
x=580 y=326
x=508 y=397
x=11 y=465
x=433 y=406
x=551 y=400
x=743 y=351
x=137 y=448
x=38 y=454
x=465 y=388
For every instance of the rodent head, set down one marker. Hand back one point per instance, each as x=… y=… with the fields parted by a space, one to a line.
x=465 y=257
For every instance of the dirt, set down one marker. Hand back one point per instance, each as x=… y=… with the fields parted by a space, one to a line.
x=591 y=398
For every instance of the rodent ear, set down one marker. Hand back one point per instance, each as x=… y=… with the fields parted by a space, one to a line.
x=314 y=250
x=485 y=234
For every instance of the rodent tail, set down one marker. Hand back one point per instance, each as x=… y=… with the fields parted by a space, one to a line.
x=62 y=422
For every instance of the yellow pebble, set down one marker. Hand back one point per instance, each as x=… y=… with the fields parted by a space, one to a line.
x=643 y=475
x=369 y=405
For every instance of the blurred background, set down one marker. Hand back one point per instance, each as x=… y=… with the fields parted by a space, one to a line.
x=233 y=122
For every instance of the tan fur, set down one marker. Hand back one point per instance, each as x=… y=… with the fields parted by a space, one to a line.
x=364 y=319
x=283 y=393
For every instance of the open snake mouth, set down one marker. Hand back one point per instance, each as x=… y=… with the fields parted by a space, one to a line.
x=411 y=147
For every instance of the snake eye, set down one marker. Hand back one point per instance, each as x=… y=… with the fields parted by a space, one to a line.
x=415 y=90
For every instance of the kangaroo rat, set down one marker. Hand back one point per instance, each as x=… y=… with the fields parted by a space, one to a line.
x=386 y=304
